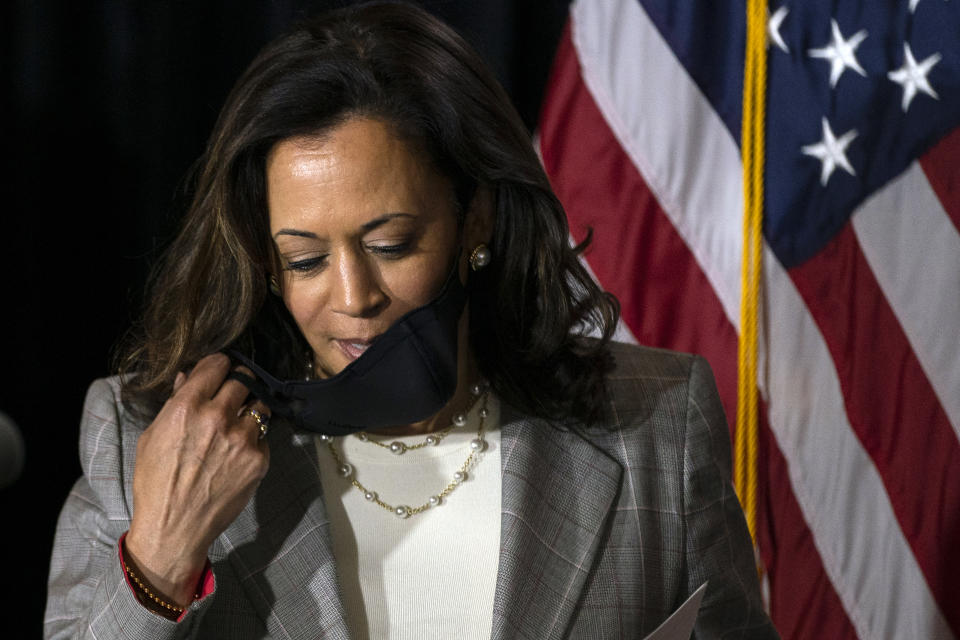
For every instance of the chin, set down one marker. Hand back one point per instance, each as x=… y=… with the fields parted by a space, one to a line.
x=329 y=365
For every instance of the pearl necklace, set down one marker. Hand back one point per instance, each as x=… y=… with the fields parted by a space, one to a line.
x=432 y=440
x=477 y=445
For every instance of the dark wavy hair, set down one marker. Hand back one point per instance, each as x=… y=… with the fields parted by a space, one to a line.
x=529 y=309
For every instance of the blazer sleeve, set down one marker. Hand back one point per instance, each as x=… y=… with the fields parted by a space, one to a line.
x=717 y=543
x=87 y=595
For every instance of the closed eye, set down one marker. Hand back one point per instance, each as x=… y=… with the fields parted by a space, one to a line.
x=390 y=251
x=306 y=265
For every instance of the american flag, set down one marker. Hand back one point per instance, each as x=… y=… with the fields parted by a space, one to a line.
x=859 y=375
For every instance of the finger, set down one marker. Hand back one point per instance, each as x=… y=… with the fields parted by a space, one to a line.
x=255 y=418
x=233 y=394
x=207 y=376
x=179 y=380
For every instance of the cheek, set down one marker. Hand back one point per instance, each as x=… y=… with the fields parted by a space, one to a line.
x=413 y=285
x=304 y=304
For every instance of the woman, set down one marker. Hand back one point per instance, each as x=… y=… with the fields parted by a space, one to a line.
x=370 y=215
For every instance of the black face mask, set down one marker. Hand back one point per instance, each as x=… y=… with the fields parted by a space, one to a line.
x=408 y=374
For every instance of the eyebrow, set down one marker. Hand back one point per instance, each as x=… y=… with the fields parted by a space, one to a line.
x=367 y=226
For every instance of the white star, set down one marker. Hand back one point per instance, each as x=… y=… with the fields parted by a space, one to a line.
x=831 y=152
x=841 y=53
x=773 y=28
x=913 y=77
x=913 y=5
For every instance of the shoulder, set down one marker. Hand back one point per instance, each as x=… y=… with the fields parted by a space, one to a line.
x=105 y=416
x=108 y=443
x=648 y=384
x=632 y=360
x=658 y=404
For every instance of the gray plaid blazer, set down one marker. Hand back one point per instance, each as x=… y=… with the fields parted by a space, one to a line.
x=605 y=531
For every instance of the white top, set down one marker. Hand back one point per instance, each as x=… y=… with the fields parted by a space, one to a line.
x=431 y=575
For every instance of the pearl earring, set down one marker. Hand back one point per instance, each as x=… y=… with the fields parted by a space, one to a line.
x=480 y=257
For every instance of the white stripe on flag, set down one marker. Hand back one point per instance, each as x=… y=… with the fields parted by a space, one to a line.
x=913 y=249
x=693 y=167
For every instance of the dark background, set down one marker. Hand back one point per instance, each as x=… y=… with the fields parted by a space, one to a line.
x=105 y=104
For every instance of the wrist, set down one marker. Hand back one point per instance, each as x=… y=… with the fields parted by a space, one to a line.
x=171 y=577
x=147 y=597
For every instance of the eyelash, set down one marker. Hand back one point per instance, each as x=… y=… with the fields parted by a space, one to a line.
x=307 y=265
x=388 y=252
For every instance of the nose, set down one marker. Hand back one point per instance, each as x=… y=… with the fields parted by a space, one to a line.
x=356 y=288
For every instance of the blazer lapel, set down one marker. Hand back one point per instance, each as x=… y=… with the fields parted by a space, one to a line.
x=558 y=490
x=280 y=546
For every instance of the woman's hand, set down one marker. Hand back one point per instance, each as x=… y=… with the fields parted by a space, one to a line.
x=198 y=464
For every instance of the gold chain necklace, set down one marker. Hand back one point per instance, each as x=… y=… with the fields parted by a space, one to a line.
x=477 y=445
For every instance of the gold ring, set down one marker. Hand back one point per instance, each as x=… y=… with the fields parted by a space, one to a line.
x=262 y=421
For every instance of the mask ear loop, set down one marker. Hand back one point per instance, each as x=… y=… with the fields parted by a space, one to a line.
x=261 y=391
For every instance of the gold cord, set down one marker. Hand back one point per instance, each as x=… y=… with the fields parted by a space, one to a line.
x=752 y=150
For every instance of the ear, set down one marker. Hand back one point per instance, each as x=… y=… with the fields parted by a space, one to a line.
x=477 y=227
x=478 y=223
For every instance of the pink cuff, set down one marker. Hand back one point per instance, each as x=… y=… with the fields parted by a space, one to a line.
x=206 y=584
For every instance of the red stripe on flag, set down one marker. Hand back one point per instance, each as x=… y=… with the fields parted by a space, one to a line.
x=666 y=299
x=664 y=295
x=942 y=166
x=891 y=407
x=803 y=602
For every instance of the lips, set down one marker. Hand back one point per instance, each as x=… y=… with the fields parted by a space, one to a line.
x=353 y=348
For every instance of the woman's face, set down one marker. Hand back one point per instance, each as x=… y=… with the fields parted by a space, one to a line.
x=366 y=230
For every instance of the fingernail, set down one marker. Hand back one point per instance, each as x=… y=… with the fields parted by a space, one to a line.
x=178 y=380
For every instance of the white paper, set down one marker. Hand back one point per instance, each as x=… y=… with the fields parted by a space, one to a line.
x=679 y=625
